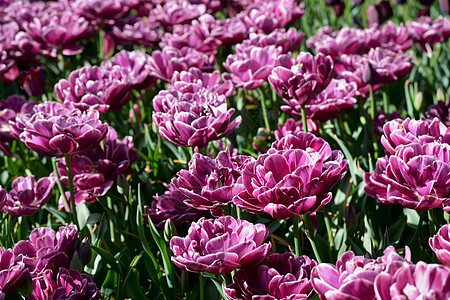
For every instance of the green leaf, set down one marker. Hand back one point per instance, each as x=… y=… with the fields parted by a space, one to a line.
x=132 y=287
x=109 y=258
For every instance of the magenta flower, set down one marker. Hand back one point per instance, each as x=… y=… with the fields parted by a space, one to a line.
x=102 y=89
x=440 y=244
x=441 y=110
x=420 y=281
x=289 y=40
x=211 y=183
x=337 y=96
x=403 y=132
x=12 y=274
x=251 y=66
x=300 y=80
x=294 y=178
x=97 y=11
x=194 y=80
x=164 y=63
x=293 y=127
x=133 y=30
x=27 y=196
x=379 y=13
x=170 y=205
x=133 y=66
x=427 y=32
x=415 y=176
x=229 y=31
x=177 y=12
x=33 y=82
x=353 y=276
x=193 y=119
x=278 y=276
x=381 y=118
x=390 y=36
x=220 y=246
x=69 y=284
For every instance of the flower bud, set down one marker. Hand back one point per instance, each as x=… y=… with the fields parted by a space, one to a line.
x=33 y=81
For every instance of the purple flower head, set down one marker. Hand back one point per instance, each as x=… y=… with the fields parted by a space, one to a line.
x=27 y=196
x=61 y=130
x=94 y=172
x=8 y=67
x=420 y=281
x=293 y=178
x=193 y=119
x=293 y=127
x=379 y=13
x=278 y=276
x=33 y=82
x=266 y=16
x=383 y=66
x=403 y=132
x=47 y=250
x=95 y=87
x=171 y=206
x=194 y=80
x=415 y=176
x=10 y=108
x=211 y=183
x=381 y=119
x=390 y=36
x=348 y=40
x=12 y=274
x=427 y=32
x=164 y=63
x=97 y=11
x=69 y=284
x=133 y=30
x=440 y=110
x=220 y=246
x=337 y=96
x=56 y=30
x=300 y=80
x=3 y=197
x=177 y=12
x=251 y=66
x=229 y=31
x=289 y=40
x=440 y=244
x=133 y=66
x=16 y=43
x=353 y=276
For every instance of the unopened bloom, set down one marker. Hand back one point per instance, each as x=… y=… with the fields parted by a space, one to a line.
x=220 y=246
x=278 y=276
x=33 y=81
x=300 y=80
x=440 y=244
x=193 y=119
x=98 y=88
x=27 y=196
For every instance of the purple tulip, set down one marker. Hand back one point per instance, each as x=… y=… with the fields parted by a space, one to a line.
x=279 y=276
x=440 y=244
x=300 y=80
x=3 y=197
x=171 y=206
x=12 y=274
x=94 y=172
x=8 y=67
x=415 y=176
x=177 y=12
x=10 y=108
x=266 y=16
x=194 y=80
x=133 y=30
x=164 y=63
x=293 y=127
x=211 y=183
x=97 y=11
x=441 y=110
x=193 y=119
x=390 y=36
x=60 y=131
x=33 y=82
x=289 y=40
x=408 y=131
x=133 y=66
x=427 y=32
x=420 y=281
x=353 y=276
x=67 y=284
x=379 y=13
x=27 y=196
x=381 y=118
x=444 y=6
x=220 y=246
x=99 y=88
x=229 y=31
x=251 y=66
x=337 y=96
x=292 y=178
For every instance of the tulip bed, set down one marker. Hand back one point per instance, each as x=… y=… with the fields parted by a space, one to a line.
x=195 y=149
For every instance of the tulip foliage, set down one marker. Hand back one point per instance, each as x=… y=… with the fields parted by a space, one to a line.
x=209 y=149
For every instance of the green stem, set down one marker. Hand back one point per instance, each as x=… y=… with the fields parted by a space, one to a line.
x=304 y=119
x=101 y=41
x=431 y=222
x=295 y=221
x=202 y=286
x=62 y=64
x=58 y=182
x=372 y=122
x=72 y=194
x=386 y=102
x=238 y=213
x=264 y=109
x=311 y=236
